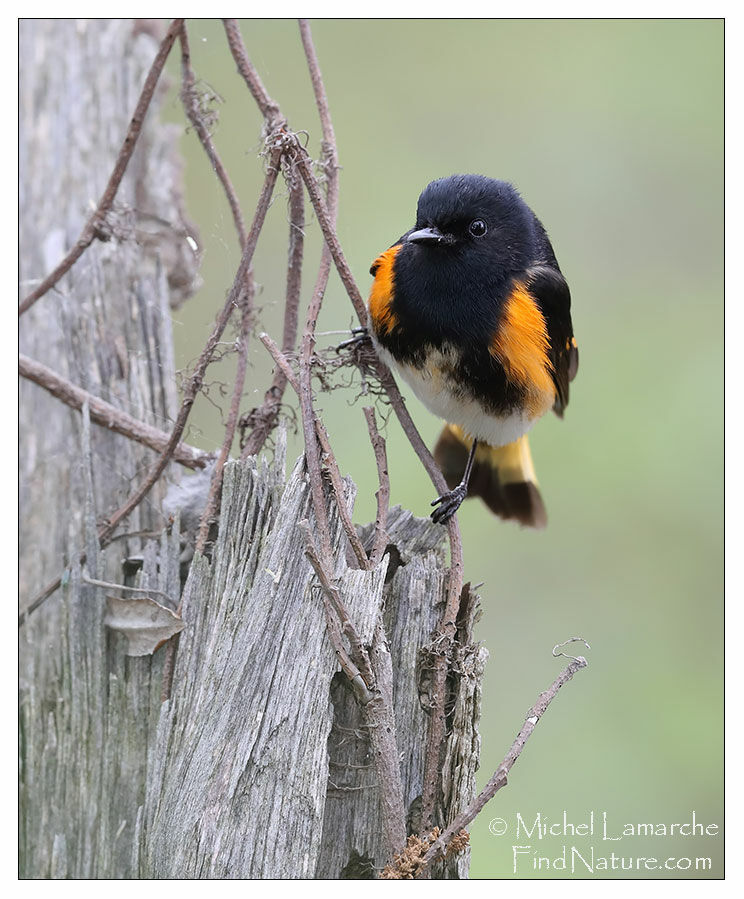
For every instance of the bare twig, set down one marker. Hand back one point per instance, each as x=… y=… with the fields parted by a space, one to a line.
x=358 y=653
x=309 y=421
x=383 y=492
x=295 y=252
x=148 y=590
x=444 y=635
x=328 y=458
x=269 y=109
x=330 y=466
x=330 y=164
x=106 y=415
x=196 y=380
x=215 y=488
x=190 y=100
x=242 y=286
x=321 y=100
x=275 y=121
x=95 y=226
x=106 y=531
x=409 y=863
x=499 y=778
x=378 y=713
x=42 y=596
x=281 y=360
x=327 y=226
x=264 y=418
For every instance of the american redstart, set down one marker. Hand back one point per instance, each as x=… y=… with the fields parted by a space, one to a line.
x=471 y=308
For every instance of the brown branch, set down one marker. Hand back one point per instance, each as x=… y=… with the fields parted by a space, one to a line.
x=383 y=492
x=264 y=418
x=325 y=212
x=444 y=635
x=330 y=466
x=215 y=487
x=357 y=651
x=42 y=596
x=273 y=121
x=329 y=150
x=106 y=531
x=295 y=252
x=378 y=714
x=328 y=459
x=242 y=287
x=330 y=161
x=190 y=100
x=269 y=109
x=195 y=382
x=309 y=421
x=327 y=226
x=95 y=225
x=321 y=100
x=499 y=778
x=106 y=415
x=385 y=375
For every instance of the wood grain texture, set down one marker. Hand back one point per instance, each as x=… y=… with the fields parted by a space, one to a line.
x=414 y=595
x=86 y=709
x=259 y=765
x=262 y=766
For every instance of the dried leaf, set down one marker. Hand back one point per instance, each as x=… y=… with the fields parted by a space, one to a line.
x=145 y=623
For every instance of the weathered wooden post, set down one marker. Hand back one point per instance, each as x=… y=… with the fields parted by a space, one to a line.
x=259 y=764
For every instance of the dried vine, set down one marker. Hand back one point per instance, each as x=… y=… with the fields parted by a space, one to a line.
x=287 y=155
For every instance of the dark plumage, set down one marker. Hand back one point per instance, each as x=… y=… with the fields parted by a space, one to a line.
x=472 y=307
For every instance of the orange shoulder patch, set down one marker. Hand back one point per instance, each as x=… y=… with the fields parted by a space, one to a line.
x=521 y=345
x=381 y=295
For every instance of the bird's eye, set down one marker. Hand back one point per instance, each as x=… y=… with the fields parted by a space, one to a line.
x=478 y=228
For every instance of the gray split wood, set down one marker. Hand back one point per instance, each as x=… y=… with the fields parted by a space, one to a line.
x=258 y=766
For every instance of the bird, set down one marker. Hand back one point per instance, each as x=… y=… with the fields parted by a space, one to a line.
x=472 y=310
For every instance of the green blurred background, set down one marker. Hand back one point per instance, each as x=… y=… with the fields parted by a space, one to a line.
x=613 y=132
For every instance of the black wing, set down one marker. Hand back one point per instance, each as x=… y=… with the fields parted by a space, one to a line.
x=548 y=286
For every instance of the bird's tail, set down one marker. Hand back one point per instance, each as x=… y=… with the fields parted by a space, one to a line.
x=502 y=476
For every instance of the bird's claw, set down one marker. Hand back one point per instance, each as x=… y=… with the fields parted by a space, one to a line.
x=361 y=336
x=448 y=504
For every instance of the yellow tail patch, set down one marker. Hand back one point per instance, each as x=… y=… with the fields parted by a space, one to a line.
x=502 y=476
x=513 y=461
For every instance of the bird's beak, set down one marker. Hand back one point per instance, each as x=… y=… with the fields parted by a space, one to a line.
x=429 y=235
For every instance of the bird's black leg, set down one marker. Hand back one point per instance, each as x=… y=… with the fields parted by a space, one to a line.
x=360 y=336
x=450 y=502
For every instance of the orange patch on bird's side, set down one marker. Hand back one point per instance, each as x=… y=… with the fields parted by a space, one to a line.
x=521 y=345
x=381 y=295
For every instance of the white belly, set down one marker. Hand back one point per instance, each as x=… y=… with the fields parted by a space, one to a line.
x=440 y=397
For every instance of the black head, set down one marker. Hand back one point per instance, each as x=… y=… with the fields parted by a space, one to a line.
x=475 y=216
